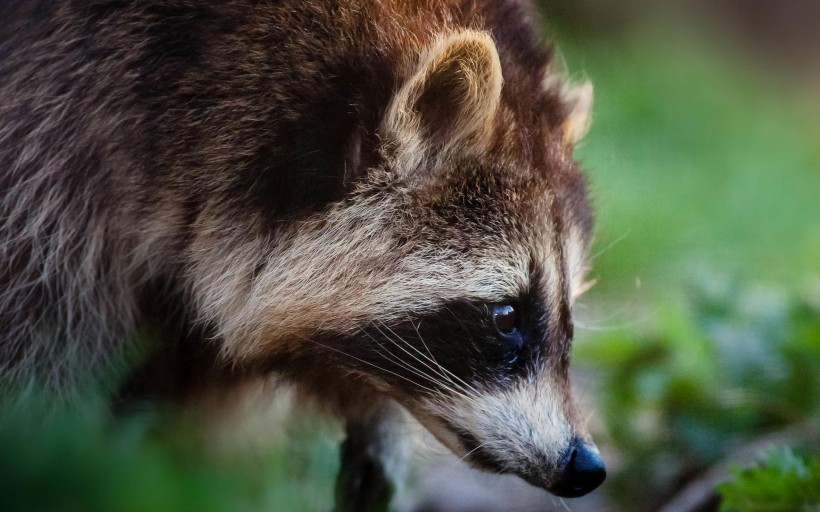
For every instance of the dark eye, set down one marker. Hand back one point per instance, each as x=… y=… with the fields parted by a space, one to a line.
x=505 y=319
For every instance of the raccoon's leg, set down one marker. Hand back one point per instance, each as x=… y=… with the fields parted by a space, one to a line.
x=373 y=461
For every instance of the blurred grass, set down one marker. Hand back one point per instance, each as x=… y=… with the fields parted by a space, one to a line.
x=82 y=459
x=697 y=162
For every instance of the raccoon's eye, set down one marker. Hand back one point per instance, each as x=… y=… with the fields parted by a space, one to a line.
x=505 y=319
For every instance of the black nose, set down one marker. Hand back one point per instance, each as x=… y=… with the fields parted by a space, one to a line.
x=583 y=472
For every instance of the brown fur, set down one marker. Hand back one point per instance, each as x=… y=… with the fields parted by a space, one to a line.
x=265 y=182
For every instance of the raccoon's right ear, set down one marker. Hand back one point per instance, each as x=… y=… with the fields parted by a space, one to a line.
x=449 y=103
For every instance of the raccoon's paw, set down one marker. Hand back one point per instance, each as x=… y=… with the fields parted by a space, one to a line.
x=373 y=462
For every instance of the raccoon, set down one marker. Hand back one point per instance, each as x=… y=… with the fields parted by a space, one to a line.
x=375 y=200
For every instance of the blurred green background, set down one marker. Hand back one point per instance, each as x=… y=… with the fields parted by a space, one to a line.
x=702 y=342
x=698 y=352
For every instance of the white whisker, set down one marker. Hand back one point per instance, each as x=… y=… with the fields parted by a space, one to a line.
x=434 y=392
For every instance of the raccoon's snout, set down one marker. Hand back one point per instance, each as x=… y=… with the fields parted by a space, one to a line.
x=583 y=471
x=579 y=471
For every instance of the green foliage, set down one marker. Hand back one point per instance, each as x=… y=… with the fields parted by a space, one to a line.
x=783 y=482
x=734 y=365
x=86 y=461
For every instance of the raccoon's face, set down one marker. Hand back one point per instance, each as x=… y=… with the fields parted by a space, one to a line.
x=485 y=368
x=493 y=224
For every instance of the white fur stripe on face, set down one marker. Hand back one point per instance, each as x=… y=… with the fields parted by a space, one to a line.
x=335 y=274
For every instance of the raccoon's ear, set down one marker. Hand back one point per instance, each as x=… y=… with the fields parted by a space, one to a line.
x=450 y=101
x=578 y=99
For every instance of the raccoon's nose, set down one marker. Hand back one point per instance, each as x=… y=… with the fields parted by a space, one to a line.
x=584 y=470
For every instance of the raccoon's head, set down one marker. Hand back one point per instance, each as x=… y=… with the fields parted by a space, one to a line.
x=447 y=279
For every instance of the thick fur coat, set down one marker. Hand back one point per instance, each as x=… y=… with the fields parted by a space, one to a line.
x=339 y=193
